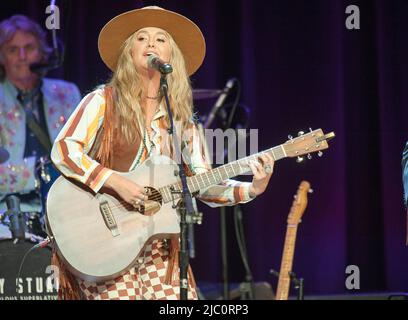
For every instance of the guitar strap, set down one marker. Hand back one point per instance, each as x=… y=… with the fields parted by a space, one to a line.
x=38 y=132
x=27 y=101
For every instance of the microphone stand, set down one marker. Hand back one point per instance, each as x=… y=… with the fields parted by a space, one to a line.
x=217 y=108
x=220 y=102
x=185 y=206
x=298 y=283
x=246 y=287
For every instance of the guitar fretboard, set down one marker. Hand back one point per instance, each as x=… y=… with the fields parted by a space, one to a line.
x=282 y=291
x=219 y=174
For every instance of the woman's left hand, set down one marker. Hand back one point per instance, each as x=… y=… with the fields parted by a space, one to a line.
x=262 y=171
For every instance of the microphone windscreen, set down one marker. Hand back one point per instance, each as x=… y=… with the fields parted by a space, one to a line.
x=13 y=203
x=151 y=59
x=38 y=67
x=44 y=67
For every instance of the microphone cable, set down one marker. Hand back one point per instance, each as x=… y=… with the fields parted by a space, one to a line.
x=41 y=244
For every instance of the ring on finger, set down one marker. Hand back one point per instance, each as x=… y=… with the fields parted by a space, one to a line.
x=268 y=168
x=146 y=191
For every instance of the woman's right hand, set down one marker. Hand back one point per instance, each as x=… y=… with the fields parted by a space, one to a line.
x=128 y=190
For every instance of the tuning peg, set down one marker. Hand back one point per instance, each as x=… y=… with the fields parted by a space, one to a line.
x=320 y=153
x=299 y=159
x=301 y=133
x=290 y=137
x=310 y=191
x=309 y=156
x=310 y=129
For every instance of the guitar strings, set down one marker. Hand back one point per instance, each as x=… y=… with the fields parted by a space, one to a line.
x=123 y=204
x=158 y=197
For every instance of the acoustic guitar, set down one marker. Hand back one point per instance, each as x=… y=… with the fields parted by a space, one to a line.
x=100 y=237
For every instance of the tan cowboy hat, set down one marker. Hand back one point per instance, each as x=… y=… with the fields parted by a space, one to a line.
x=185 y=33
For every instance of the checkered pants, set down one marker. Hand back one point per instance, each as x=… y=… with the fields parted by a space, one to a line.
x=145 y=281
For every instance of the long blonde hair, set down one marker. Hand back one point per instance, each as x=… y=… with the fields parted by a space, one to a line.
x=127 y=86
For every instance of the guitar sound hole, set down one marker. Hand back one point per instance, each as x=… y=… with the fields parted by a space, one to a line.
x=150 y=207
x=153 y=204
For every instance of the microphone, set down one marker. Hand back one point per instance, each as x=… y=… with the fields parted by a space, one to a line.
x=17 y=220
x=154 y=62
x=4 y=155
x=55 y=60
x=220 y=101
x=44 y=67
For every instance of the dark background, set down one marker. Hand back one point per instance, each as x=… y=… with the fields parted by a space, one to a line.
x=299 y=67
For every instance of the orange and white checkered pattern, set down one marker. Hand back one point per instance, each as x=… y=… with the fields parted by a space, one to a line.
x=145 y=281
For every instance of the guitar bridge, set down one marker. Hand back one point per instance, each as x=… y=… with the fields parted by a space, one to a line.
x=109 y=218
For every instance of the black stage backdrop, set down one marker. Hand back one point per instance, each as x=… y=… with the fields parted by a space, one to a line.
x=300 y=67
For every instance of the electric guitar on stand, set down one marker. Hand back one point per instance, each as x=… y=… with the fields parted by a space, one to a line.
x=294 y=218
x=99 y=236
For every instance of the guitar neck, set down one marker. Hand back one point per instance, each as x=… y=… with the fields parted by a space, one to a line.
x=282 y=291
x=230 y=170
x=313 y=141
x=221 y=173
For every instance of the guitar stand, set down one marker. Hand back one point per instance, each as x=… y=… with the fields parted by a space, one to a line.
x=297 y=282
x=247 y=290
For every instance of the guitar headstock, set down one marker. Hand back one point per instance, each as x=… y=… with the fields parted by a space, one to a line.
x=307 y=143
x=299 y=203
